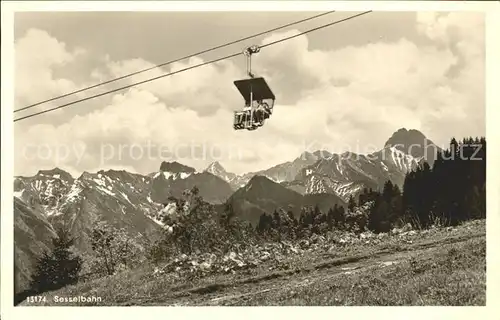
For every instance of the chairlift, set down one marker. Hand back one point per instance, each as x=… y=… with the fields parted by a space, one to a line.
x=259 y=99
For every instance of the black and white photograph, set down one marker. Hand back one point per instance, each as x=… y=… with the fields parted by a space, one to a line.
x=247 y=158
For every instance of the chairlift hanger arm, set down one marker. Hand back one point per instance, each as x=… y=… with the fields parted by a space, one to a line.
x=248 y=53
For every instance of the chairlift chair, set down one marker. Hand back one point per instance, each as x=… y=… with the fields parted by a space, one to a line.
x=259 y=98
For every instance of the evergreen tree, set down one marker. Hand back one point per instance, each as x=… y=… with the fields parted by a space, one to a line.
x=265 y=223
x=338 y=216
x=330 y=217
x=228 y=214
x=368 y=195
x=362 y=196
x=352 y=204
x=387 y=208
x=378 y=218
x=59 y=268
x=317 y=212
x=473 y=203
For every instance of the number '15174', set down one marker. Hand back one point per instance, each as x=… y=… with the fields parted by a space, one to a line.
x=35 y=299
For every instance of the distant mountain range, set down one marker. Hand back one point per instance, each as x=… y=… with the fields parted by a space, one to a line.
x=136 y=202
x=343 y=174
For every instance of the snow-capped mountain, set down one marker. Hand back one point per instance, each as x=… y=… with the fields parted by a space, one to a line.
x=349 y=173
x=44 y=189
x=118 y=197
x=288 y=171
x=395 y=161
x=283 y=172
x=317 y=184
x=127 y=200
x=414 y=143
x=173 y=179
x=218 y=170
x=343 y=174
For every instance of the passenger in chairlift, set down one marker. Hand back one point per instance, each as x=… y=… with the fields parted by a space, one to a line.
x=267 y=110
x=261 y=113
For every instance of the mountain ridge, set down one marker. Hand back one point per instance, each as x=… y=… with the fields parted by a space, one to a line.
x=262 y=195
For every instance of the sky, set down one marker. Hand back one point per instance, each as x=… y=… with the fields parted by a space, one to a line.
x=347 y=87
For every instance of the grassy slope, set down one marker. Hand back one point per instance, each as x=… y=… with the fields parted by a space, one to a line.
x=450 y=275
x=438 y=267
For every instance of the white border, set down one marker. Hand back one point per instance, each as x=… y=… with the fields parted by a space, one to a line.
x=492 y=170
x=491 y=8
x=249 y=5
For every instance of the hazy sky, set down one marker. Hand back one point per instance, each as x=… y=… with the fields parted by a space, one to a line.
x=346 y=87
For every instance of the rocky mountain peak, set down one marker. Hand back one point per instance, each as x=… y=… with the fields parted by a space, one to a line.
x=414 y=143
x=55 y=173
x=316 y=155
x=215 y=168
x=175 y=167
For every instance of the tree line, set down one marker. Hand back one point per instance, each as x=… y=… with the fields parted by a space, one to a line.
x=452 y=191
